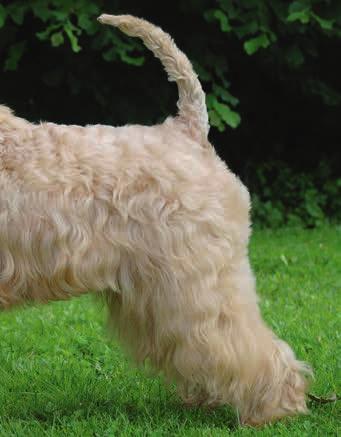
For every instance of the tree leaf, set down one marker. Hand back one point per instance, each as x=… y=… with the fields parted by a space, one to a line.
x=86 y=23
x=230 y=117
x=15 y=53
x=215 y=120
x=249 y=28
x=254 y=44
x=137 y=61
x=302 y=16
x=230 y=8
x=17 y=13
x=225 y=95
x=57 y=39
x=45 y=34
x=324 y=24
x=223 y=20
x=68 y=27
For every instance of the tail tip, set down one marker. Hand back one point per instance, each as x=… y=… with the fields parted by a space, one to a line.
x=105 y=19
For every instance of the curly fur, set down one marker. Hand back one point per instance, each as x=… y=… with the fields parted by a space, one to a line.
x=152 y=217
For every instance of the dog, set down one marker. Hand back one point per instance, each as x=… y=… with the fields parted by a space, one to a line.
x=152 y=219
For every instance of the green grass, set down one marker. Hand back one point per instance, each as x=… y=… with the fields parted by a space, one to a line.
x=60 y=375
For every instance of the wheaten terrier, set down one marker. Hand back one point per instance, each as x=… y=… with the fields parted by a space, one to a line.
x=154 y=220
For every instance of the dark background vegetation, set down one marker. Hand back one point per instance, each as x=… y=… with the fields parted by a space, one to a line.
x=271 y=70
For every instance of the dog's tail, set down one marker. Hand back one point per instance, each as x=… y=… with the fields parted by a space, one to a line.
x=191 y=103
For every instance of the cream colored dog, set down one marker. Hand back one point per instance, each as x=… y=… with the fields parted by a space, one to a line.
x=151 y=217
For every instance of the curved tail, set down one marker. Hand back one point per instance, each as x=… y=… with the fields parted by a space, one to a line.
x=191 y=103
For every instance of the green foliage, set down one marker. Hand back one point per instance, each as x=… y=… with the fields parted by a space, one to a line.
x=284 y=197
x=66 y=21
x=259 y=25
x=221 y=113
x=252 y=45
x=268 y=24
x=15 y=52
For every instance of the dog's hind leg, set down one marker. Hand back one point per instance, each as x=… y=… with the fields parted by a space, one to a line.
x=207 y=335
x=223 y=353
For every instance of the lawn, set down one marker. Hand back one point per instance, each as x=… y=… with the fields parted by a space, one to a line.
x=60 y=375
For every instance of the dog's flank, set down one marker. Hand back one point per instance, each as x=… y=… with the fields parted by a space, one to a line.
x=159 y=225
x=191 y=103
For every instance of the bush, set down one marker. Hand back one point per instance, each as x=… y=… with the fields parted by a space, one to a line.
x=282 y=197
x=289 y=32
